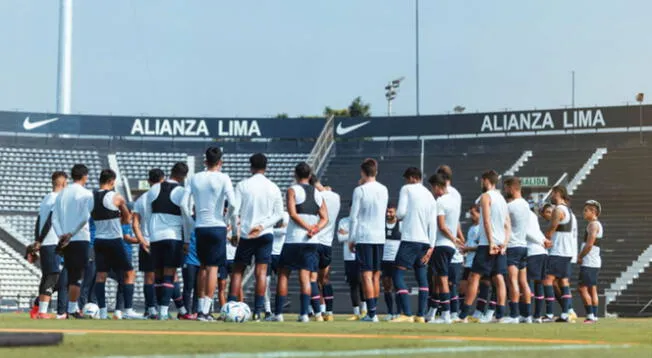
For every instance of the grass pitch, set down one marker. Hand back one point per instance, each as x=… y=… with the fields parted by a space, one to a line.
x=335 y=339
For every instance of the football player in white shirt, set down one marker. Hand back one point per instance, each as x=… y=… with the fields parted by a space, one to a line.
x=70 y=215
x=367 y=236
x=210 y=190
x=351 y=270
x=417 y=210
x=537 y=256
x=45 y=243
x=325 y=237
x=590 y=261
x=519 y=214
x=392 y=242
x=141 y=230
x=280 y=230
x=560 y=233
x=490 y=260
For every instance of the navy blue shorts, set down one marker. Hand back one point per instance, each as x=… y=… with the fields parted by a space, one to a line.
x=273 y=266
x=76 y=255
x=145 y=262
x=167 y=254
x=536 y=267
x=467 y=272
x=369 y=256
x=110 y=255
x=517 y=256
x=410 y=254
x=50 y=260
x=488 y=265
x=260 y=248
x=225 y=270
x=589 y=276
x=211 y=245
x=352 y=271
x=325 y=256
x=559 y=266
x=454 y=273
x=387 y=268
x=299 y=257
x=441 y=260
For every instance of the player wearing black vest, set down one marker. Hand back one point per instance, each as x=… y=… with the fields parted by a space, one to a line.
x=390 y=249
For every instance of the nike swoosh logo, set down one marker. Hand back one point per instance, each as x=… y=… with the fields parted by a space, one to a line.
x=340 y=130
x=33 y=125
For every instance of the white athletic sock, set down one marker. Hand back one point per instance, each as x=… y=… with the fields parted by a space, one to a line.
x=183 y=310
x=200 y=305
x=163 y=310
x=268 y=302
x=207 y=305
x=72 y=307
x=104 y=313
x=446 y=315
x=322 y=308
x=152 y=311
x=43 y=306
x=363 y=306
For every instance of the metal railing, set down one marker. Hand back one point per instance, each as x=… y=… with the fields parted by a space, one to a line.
x=323 y=145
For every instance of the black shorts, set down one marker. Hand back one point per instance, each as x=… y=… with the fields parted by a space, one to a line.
x=352 y=271
x=536 y=267
x=211 y=245
x=76 y=255
x=369 y=256
x=465 y=275
x=387 y=268
x=145 y=262
x=454 y=273
x=442 y=259
x=167 y=254
x=273 y=266
x=589 y=276
x=299 y=257
x=50 y=260
x=488 y=265
x=517 y=256
x=410 y=254
x=225 y=270
x=325 y=256
x=110 y=255
x=559 y=266
x=260 y=248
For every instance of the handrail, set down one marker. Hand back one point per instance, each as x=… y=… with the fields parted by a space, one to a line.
x=561 y=179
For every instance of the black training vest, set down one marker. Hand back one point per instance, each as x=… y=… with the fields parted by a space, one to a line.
x=309 y=206
x=597 y=239
x=393 y=233
x=163 y=203
x=100 y=212
x=569 y=225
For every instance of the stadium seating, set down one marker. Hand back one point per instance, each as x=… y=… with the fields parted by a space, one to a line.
x=18 y=279
x=20 y=226
x=280 y=167
x=136 y=165
x=636 y=300
x=553 y=164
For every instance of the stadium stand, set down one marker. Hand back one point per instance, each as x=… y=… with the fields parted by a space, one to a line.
x=554 y=163
x=136 y=165
x=18 y=279
x=636 y=300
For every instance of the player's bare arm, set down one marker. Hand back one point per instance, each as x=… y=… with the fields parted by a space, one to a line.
x=592 y=234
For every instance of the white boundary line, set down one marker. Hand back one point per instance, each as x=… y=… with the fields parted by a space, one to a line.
x=386 y=352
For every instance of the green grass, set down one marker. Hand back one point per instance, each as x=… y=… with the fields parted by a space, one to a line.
x=638 y=333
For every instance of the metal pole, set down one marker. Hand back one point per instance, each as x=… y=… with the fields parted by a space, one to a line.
x=423 y=146
x=640 y=120
x=64 y=74
x=573 y=90
x=389 y=108
x=417 y=54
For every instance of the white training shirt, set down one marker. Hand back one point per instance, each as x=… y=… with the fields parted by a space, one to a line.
x=165 y=226
x=593 y=259
x=279 y=235
x=368 y=208
x=72 y=210
x=390 y=249
x=46 y=207
x=562 y=242
x=343 y=224
x=519 y=214
x=209 y=190
x=417 y=210
x=230 y=251
x=258 y=202
x=575 y=237
x=449 y=206
x=111 y=228
x=326 y=235
x=499 y=214
x=295 y=233
x=534 y=236
x=472 y=240
x=139 y=208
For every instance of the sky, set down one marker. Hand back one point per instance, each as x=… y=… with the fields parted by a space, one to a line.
x=250 y=58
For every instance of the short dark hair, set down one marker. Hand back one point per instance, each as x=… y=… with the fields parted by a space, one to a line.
x=562 y=191
x=258 y=161
x=445 y=171
x=155 y=176
x=313 y=180
x=302 y=171
x=546 y=206
x=437 y=180
x=512 y=181
x=490 y=175
x=58 y=174
x=213 y=156
x=369 y=167
x=106 y=176
x=412 y=172
x=474 y=207
x=391 y=205
x=179 y=170
x=78 y=172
